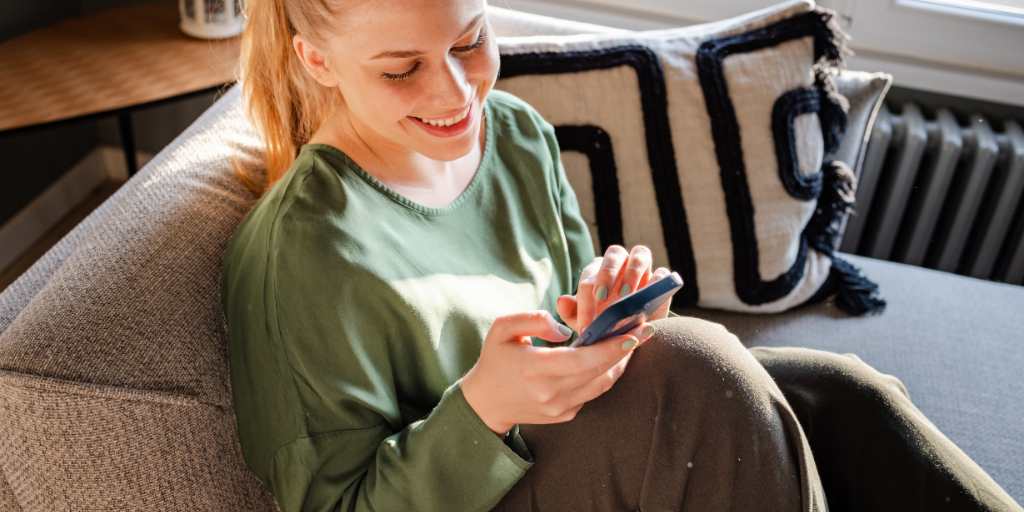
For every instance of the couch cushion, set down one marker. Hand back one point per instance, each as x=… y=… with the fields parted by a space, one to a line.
x=7 y=499
x=955 y=341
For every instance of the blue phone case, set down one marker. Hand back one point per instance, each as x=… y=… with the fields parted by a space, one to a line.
x=629 y=311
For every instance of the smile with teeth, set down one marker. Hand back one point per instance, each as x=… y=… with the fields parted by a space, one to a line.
x=445 y=122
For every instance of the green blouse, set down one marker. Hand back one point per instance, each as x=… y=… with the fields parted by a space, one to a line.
x=353 y=312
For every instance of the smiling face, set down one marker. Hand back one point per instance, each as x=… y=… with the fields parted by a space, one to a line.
x=397 y=63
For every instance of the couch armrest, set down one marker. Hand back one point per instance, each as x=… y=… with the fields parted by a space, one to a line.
x=75 y=446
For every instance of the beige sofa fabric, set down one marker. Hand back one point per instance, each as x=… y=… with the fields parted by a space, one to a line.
x=88 y=447
x=114 y=390
x=7 y=501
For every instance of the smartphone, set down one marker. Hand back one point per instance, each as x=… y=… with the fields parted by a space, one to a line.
x=630 y=311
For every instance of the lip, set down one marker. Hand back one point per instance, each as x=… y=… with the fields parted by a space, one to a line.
x=451 y=114
x=447 y=131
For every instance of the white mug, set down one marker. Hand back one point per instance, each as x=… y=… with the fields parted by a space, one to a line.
x=211 y=19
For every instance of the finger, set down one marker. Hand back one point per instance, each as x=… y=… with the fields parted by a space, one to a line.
x=577 y=364
x=585 y=302
x=538 y=323
x=662 y=311
x=589 y=271
x=644 y=281
x=636 y=265
x=600 y=384
x=555 y=415
x=614 y=258
x=571 y=413
x=566 y=307
x=643 y=332
x=659 y=273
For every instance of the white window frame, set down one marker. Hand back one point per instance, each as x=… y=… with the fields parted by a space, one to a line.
x=924 y=44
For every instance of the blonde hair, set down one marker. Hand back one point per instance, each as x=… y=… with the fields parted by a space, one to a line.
x=284 y=103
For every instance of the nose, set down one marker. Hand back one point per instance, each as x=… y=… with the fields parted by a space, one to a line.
x=451 y=86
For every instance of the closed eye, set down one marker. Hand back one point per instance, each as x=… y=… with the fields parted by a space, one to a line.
x=479 y=42
x=459 y=49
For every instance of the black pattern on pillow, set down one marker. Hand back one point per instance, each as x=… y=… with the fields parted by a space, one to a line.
x=595 y=143
x=659 y=149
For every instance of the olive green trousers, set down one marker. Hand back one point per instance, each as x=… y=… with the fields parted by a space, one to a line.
x=699 y=422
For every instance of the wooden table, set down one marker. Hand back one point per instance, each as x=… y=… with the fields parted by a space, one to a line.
x=112 y=62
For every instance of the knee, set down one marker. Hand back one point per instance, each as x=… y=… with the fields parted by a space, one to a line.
x=689 y=351
x=864 y=375
x=692 y=338
x=822 y=369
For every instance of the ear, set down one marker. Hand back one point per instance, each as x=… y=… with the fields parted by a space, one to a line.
x=314 y=61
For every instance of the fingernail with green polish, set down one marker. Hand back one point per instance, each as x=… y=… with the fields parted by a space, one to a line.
x=624 y=291
x=564 y=330
x=648 y=331
x=602 y=292
x=630 y=343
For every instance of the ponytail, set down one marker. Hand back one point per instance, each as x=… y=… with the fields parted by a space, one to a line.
x=284 y=103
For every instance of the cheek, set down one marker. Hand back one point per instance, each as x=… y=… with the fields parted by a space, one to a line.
x=385 y=103
x=484 y=68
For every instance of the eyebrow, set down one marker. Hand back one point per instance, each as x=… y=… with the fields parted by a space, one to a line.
x=403 y=54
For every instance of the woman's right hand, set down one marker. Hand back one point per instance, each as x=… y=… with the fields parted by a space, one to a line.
x=515 y=382
x=618 y=273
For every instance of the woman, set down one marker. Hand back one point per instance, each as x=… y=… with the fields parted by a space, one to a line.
x=416 y=230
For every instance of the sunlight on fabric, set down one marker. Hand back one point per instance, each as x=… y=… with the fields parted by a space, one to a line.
x=479 y=297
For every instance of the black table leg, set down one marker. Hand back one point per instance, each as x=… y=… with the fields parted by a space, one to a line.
x=124 y=121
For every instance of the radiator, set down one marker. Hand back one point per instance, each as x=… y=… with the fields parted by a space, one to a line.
x=939 y=194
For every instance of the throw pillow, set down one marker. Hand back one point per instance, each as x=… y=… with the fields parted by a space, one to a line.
x=711 y=144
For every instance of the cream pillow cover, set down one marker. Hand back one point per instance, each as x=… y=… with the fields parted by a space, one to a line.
x=711 y=144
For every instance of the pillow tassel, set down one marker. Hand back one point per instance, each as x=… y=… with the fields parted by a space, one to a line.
x=838 y=193
x=831 y=50
x=832 y=110
x=855 y=294
x=830 y=40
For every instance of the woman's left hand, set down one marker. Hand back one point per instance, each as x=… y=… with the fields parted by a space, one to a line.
x=605 y=280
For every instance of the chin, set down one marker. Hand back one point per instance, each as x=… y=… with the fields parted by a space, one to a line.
x=451 y=151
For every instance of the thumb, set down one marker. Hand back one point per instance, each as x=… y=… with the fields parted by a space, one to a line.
x=566 y=306
x=537 y=323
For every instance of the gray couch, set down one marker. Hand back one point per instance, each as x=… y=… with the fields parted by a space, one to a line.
x=114 y=389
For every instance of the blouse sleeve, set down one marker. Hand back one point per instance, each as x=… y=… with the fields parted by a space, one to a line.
x=327 y=431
